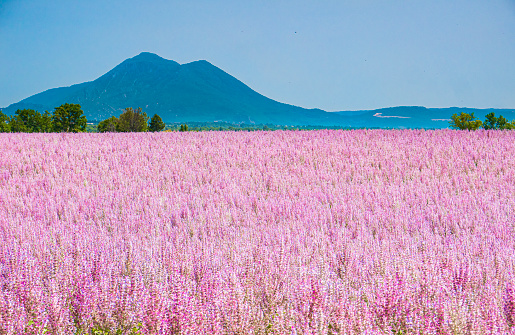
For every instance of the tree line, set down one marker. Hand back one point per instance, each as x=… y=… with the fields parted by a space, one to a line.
x=466 y=121
x=65 y=118
x=131 y=120
x=70 y=118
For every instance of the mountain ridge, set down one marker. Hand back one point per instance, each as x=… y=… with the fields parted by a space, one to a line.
x=195 y=91
x=199 y=91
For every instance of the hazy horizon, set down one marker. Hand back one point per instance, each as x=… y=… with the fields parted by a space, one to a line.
x=332 y=55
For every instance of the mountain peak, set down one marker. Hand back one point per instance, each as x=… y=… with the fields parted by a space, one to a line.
x=196 y=91
x=147 y=56
x=199 y=64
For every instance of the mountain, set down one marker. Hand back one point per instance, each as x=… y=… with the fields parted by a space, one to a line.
x=201 y=92
x=197 y=91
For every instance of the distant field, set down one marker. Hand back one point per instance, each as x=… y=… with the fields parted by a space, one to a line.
x=284 y=232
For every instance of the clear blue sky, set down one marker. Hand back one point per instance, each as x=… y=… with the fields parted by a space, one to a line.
x=330 y=54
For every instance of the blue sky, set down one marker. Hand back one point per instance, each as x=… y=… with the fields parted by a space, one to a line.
x=334 y=55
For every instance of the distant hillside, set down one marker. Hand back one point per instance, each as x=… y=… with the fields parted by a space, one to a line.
x=201 y=92
x=415 y=116
x=197 y=91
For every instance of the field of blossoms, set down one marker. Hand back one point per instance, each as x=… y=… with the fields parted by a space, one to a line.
x=285 y=232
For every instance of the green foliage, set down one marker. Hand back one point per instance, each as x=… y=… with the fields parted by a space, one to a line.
x=29 y=121
x=156 y=123
x=500 y=122
x=468 y=121
x=45 y=123
x=25 y=120
x=69 y=118
x=465 y=121
x=490 y=121
x=108 y=125
x=91 y=127
x=4 y=123
x=184 y=127
x=21 y=121
x=17 y=125
x=132 y=121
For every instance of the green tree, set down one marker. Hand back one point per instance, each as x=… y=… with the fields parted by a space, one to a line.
x=17 y=125
x=184 y=127
x=29 y=118
x=465 y=121
x=69 y=118
x=4 y=123
x=25 y=121
x=108 y=125
x=490 y=121
x=501 y=123
x=133 y=121
x=45 y=123
x=156 y=123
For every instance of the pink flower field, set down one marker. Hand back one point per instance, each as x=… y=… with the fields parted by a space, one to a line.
x=285 y=232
